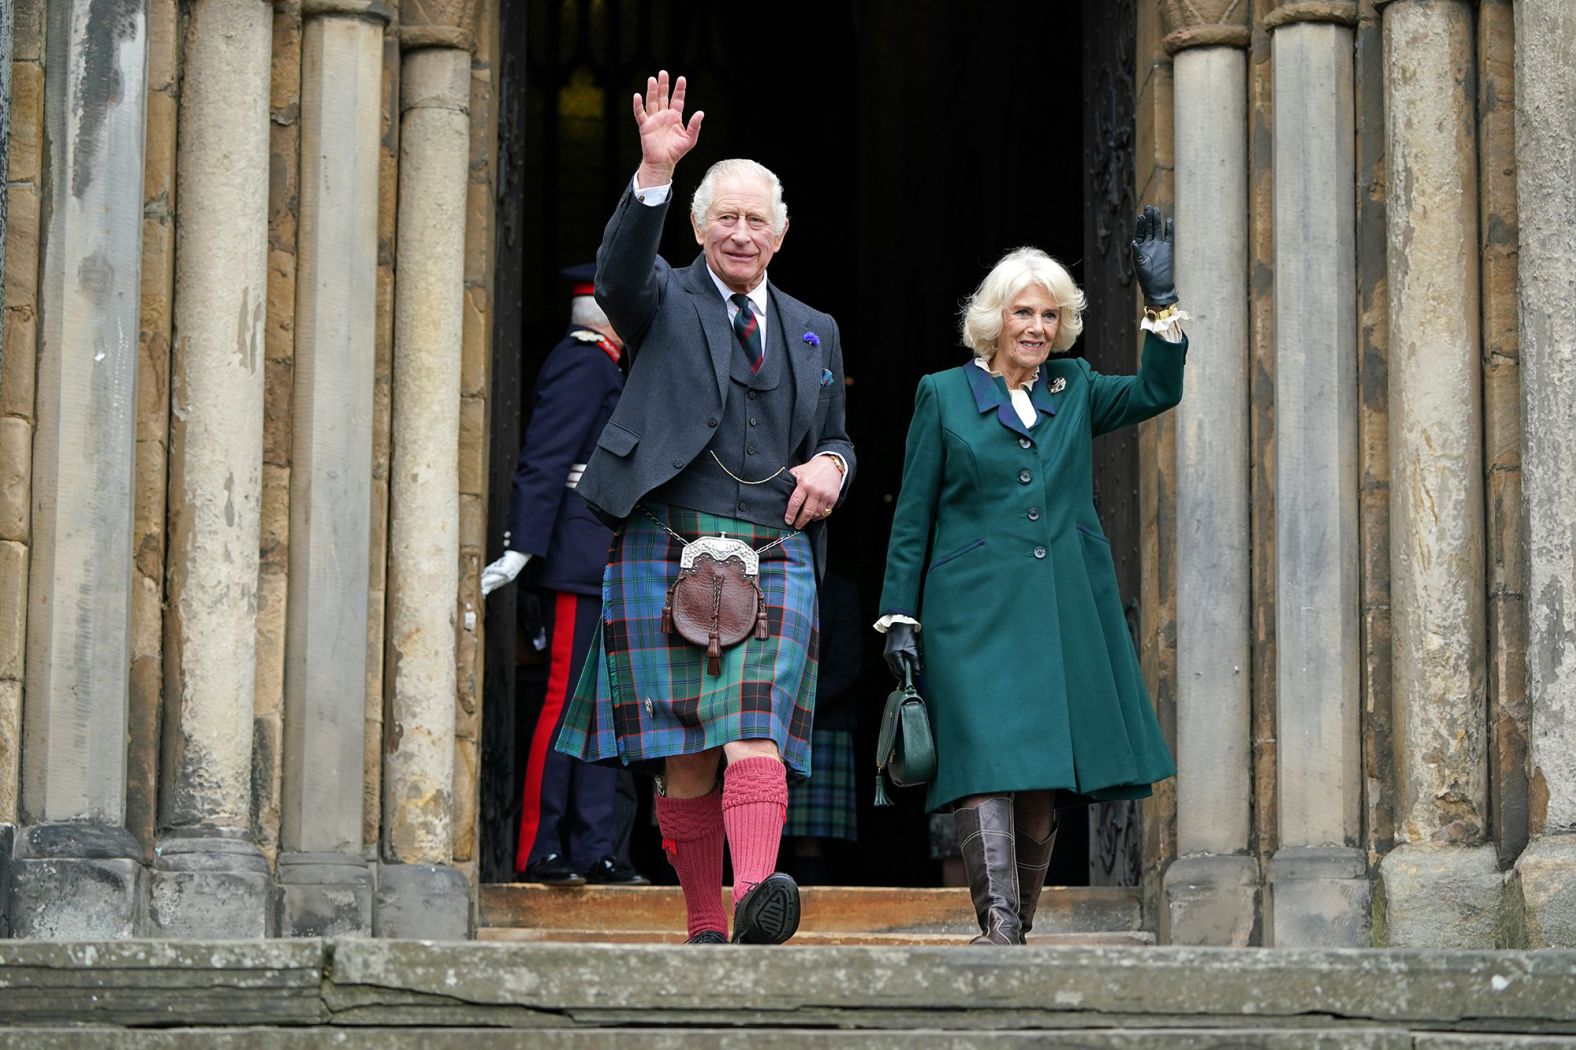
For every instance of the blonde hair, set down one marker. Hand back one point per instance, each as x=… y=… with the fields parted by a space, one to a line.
x=1017 y=270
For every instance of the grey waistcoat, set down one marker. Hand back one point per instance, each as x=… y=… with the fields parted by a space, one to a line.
x=751 y=439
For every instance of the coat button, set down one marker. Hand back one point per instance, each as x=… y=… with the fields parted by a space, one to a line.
x=1024 y=443
x=1034 y=513
x=752 y=395
x=752 y=450
x=753 y=421
x=712 y=421
x=1039 y=552
x=678 y=464
x=741 y=504
x=1025 y=477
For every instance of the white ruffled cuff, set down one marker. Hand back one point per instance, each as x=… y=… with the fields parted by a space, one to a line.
x=891 y=618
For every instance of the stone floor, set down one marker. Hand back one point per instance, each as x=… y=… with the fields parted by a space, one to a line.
x=477 y=995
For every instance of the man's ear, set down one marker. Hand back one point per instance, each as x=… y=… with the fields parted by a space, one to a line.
x=780 y=236
x=700 y=234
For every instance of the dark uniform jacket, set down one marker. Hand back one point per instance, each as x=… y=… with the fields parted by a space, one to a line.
x=576 y=390
x=682 y=349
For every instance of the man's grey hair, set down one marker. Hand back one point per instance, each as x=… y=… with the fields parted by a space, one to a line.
x=583 y=310
x=700 y=204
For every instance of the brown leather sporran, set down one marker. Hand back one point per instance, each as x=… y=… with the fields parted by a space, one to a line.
x=714 y=603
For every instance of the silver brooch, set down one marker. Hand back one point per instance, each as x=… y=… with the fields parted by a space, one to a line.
x=1058 y=384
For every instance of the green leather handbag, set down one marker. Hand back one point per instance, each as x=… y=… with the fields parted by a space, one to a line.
x=905 y=747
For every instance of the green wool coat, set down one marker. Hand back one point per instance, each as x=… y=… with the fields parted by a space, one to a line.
x=1029 y=671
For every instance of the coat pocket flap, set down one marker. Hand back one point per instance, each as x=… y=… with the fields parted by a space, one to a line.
x=617 y=440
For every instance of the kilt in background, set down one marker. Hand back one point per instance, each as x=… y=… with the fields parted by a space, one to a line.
x=824 y=806
x=645 y=695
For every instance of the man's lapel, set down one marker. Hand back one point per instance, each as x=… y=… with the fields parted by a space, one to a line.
x=713 y=313
x=803 y=361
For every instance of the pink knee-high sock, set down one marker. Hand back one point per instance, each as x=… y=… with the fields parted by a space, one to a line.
x=754 y=807
x=692 y=836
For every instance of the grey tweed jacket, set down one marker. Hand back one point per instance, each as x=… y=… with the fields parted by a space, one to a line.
x=676 y=332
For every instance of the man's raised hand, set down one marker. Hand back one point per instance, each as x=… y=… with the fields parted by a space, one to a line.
x=664 y=137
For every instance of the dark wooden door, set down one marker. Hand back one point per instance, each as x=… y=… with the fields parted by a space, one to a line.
x=1110 y=329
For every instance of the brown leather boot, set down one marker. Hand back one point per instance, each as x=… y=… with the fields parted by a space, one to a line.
x=1034 y=858
x=985 y=836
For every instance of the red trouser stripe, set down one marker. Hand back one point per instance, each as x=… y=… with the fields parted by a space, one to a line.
x=561 y=656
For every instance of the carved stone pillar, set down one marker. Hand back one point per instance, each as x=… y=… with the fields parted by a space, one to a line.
x=1441 y=884
x=419 y=893
x=211 y=881
x=78 y=871
x=1211 y=889
x=1318 y=892
x=325 y=882
x=1546 y=188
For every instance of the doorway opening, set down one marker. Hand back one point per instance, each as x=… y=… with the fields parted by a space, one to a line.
x=916 y=143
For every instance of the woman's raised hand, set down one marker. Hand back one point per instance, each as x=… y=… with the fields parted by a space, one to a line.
x=1153 y=249
x=664 y=137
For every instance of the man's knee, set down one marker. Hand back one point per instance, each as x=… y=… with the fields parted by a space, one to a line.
x=740 y=749
x=690 y=776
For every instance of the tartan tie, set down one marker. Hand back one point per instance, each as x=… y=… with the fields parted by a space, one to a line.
x=747 y=327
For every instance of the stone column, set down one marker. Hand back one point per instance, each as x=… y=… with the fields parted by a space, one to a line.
x=1318 y=888
x=78 y=872
x=1441 y=885
x=1546 y=189
x=210 y=879
x=325 y=882
x=7 y=18
x=419 y=893
x=1211 y=889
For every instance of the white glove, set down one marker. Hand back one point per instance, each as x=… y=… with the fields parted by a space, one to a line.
x=503 y=571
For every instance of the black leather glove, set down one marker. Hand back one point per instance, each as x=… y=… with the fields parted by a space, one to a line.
x=1153 y=254
x=902 y=651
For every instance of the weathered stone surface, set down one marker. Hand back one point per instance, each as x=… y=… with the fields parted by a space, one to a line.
x=330 y=468
x=1436 y=494
x=1211 y=900
x=13 y=615
x=1317 y=897
x=324 y=895
x=16 y=461
x=1316 y=406
x=1505 y=991
x=1440 y=895
x=10 y=758
x=1213 y=575
x=736 y=1039
x=210 y=887
x=161 y=983
x=422 y=901
x=424 y=480
x=77 y=898
x=1545 y=881
x=1546 y=174
x=216 y=428
x=78 y=657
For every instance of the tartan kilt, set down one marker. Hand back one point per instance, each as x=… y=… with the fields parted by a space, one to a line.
x=824 y=806
x=644 y=695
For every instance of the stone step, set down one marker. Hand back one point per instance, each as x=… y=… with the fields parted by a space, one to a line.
x=262 y=995
x=810 y=938
x=826 y=909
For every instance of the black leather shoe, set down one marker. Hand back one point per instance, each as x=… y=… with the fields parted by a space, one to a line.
x=708 y=937
x=768 y=913
x=609 y=872
x=553 y=870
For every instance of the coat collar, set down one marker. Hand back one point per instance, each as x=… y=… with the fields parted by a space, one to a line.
x=990 y=392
